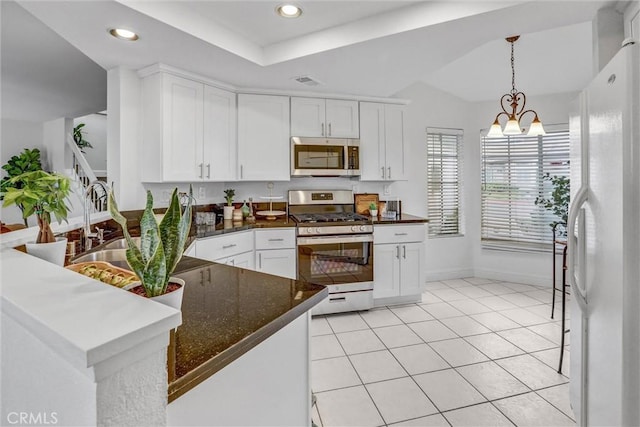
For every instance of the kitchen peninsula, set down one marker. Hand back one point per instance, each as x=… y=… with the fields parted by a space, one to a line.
x=242 y=336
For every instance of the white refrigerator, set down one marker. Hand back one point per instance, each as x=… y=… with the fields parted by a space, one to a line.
x=604 y=246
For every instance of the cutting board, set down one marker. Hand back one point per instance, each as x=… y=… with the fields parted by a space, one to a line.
x=363 y=200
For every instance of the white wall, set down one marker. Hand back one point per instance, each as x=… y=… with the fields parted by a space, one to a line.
x=16 y=136
x=452 y=256
x=95 y=131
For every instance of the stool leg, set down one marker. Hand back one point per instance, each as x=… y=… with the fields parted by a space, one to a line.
x=564 y=305
x=553 y=271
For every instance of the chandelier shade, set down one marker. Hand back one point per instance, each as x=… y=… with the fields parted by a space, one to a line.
x=513 y=108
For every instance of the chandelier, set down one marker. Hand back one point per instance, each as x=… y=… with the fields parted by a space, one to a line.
x=515 y=102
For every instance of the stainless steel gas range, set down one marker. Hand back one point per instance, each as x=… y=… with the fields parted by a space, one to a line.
x=335 y=248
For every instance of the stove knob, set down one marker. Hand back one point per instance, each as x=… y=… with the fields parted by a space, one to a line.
x=363 y=228
x=309 y=230
x=318 y=231
x=354 y=228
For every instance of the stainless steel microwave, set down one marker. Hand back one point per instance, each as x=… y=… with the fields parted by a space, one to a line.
x=325 y=157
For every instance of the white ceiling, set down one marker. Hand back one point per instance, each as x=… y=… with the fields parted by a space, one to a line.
x=366 y=47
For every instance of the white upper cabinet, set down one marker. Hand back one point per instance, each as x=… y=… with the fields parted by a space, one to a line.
x=382 y=145
x=263 y=138
x=186 y=126
x=316 y=117
x=219 y=134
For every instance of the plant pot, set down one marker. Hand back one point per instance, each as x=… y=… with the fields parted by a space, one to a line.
x=172 y=299
x=228 y=212
x=374 y=213
x=52 y=252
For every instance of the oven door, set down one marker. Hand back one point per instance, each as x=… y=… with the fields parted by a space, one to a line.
x=336 y=261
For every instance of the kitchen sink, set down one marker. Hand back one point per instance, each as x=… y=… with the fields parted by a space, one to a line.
x=120 y=243
x=108 y=255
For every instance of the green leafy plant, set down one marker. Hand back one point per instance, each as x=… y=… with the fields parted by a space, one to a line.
x=373 y=206
x=27 y=161
x=558 y=202
x=43 y=194
x=228 y=195
x=161 y=245
x=78 y=137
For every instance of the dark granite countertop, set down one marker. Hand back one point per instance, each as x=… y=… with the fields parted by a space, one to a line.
x=404 y=219
x=231 y=226
x=226 y=311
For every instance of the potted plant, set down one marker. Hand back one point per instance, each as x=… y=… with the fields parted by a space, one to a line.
x=228 y=210
x=27 y=161
x=78 y=138
x=43 y=194
x=373 y=210
x=558 y=202
x=161 y=248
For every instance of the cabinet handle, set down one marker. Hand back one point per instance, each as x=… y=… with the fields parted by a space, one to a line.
x=209 y=275
x=208 y=170
x=389 y=174
x=382 y=172
x=338 y=299
x=398 y=251
x=229 y=246
x=241 y=174
x=404 y=251
x=201 y=170
x=322 y=130
x=260 y=261
x=276 y=240
x=201 y=277
x=329 y=129
x=400 y=234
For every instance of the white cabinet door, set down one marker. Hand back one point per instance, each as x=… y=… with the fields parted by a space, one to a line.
x=372 y=151
x=263 y=138
x=279 y=262
x=316 y=117
x=307 y=117
x=342 y=119
x=382 y=147
x=243 y=260
x=219 y=154
x=411 y=268
x=182 y=136
x=386 y=271
x=394 y=142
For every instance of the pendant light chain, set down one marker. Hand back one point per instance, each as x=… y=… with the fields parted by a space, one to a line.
x=513 y=72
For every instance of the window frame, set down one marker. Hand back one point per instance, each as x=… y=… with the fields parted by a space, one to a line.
x=555 y=161
x=438 y=215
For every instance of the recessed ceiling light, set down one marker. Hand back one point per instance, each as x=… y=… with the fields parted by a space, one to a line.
x=123 y=34
x=288 y=11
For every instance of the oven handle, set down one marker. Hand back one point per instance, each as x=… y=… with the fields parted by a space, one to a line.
x=335 y=239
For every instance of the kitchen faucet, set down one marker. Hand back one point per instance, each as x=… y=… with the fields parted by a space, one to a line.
x=91 y=197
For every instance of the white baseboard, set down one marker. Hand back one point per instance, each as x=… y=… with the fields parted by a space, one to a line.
x=527 y=279
x=433 y=276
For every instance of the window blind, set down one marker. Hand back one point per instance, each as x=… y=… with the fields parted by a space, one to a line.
x=443 y=181
x=513 y=170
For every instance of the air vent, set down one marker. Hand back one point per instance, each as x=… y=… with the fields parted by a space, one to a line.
x=307 y=80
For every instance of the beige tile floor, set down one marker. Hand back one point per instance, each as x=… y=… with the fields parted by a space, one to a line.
x=474 y=352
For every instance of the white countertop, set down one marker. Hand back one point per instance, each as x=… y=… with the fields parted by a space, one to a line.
x=20 y=237
x=84 y=320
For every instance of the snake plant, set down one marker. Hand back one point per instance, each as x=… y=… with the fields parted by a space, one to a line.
x=161 y=245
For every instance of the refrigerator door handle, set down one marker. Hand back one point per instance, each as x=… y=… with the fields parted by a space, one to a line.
x=572 y=241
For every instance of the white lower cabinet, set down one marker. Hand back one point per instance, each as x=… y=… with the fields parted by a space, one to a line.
x=242 y=260
x=233 y=249
x=276 y=252
x=279 y=262
x=399 y=265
